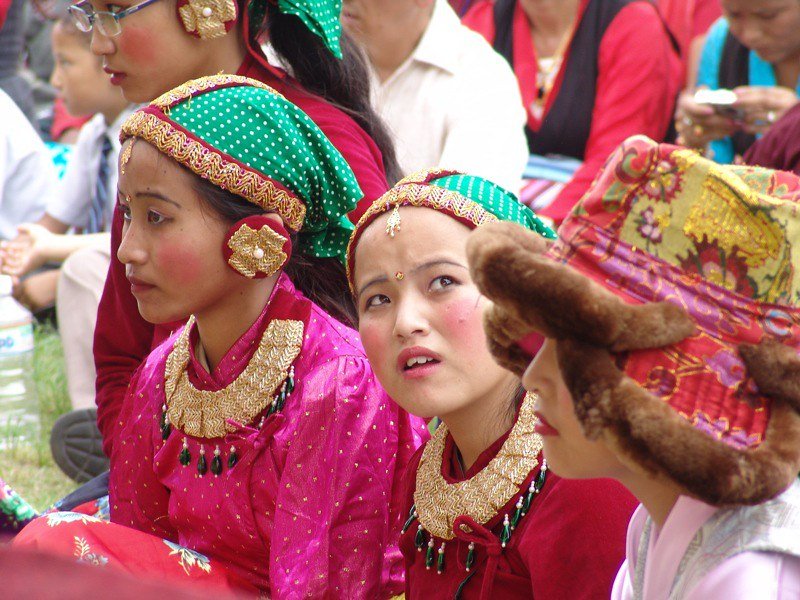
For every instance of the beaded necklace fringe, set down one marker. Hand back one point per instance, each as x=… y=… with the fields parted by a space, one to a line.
x=269 y=379
x=437 y=503
x=424 y=539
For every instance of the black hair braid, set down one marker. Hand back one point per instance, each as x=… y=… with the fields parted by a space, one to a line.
x=344 y=83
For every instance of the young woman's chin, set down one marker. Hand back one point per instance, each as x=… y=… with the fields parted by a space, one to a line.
x=156 y=314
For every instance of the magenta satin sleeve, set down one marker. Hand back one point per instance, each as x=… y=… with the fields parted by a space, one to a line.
x=335 y=530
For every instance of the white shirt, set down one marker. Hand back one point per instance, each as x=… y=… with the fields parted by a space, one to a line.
x=73 y=200
x=27 y=174
x=455 y=103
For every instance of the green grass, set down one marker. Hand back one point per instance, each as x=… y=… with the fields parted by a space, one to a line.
x=25 y=462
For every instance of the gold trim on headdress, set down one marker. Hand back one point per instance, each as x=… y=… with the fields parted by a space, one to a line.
x=201 y=84
x=420 y=195
x=213 y=165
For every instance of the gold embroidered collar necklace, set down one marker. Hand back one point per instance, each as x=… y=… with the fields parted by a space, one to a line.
x=481 y=497
x=208 y=414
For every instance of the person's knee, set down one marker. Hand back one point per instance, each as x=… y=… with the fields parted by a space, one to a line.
x=85 y=268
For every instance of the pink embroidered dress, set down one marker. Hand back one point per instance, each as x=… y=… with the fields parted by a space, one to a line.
x=310 y=506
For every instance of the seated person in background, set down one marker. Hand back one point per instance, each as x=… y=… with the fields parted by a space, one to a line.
x=753 y=50
x=688 y=19
x=12 y=50
x=591 y=73
x=446 y=97
x=85 y=201
x=27 y=175
x=779 y=148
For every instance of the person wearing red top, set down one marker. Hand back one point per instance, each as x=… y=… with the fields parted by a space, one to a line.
x=332 y=91
x=484 y=517
x=591 y=73
x=4 y=6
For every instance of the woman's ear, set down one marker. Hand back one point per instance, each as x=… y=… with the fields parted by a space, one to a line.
x=257 y=246
x=207 y=19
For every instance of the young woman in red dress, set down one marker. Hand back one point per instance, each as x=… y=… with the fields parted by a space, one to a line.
x=153 y=46
x=484 y=516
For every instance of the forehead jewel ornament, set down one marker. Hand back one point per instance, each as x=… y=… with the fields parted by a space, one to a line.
x=126 y=155
x=399 y=276
x=393 y=222
x=256 y=247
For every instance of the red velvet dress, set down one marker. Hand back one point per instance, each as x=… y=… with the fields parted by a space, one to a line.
x=568 y=546
x=122 y=338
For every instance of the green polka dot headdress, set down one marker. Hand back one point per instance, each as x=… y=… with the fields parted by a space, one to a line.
x=470 y=200
x=321 y=17
x=245 y=137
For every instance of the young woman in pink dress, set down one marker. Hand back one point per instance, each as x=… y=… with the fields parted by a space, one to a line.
x=254 y=450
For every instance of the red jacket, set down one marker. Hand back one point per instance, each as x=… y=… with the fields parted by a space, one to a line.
x=638 y=82
x=122 y=337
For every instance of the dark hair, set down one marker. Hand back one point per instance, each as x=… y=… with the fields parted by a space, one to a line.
x=67 y=24
x=343 y=83
x=322 y=280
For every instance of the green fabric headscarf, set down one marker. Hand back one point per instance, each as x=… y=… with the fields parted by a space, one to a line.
x=497 y=200
x=469 y=199
x=321 y=17
x=243 y=136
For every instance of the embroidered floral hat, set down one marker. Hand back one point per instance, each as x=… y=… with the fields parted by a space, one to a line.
x=469 y=199
x=674 y=296
x=245 y=137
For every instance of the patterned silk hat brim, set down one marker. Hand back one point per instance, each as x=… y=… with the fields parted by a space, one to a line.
x=721 y=244
x=245 y=137
x=471 y=200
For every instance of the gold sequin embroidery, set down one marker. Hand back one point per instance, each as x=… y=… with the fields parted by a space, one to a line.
x=207 y=18
x=439 y=503
x=256 y=251
x=205 y=413
x=201 y=84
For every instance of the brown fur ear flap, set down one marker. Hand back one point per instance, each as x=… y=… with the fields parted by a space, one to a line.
x=647 y=432
x=561 y=303
x=501 y=331
x=775 y=368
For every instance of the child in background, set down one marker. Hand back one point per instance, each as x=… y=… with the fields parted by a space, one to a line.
x=671 y=308
x=27 y=175
x=85 y=201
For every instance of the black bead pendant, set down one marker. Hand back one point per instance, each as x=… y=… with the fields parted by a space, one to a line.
x=185 y=457
x=202 y=466
x=216 y=465
x=233 y=458
x=165 y=427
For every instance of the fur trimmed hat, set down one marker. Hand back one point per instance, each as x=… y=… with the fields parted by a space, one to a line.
x=674 y=296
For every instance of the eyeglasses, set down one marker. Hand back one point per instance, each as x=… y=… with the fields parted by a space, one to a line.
x=107 y=22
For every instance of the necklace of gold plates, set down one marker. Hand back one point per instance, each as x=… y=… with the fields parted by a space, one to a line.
x=438 y=503
x=260 y=389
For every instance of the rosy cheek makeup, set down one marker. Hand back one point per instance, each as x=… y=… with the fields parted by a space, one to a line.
x=138 y=45
x=376 y=344
x=178 y=264
x=462 y=320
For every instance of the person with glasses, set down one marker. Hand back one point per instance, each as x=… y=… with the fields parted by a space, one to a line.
x=153 y=46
